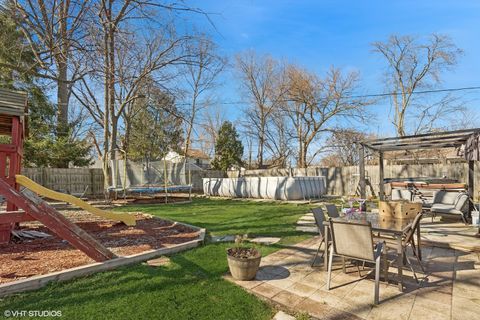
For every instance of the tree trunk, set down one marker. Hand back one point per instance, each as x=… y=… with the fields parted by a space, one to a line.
x=63 y=87
x=106 y=115
x=62 y=101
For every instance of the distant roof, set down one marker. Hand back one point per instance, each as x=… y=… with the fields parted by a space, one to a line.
x=447 y=139
x=197 y=154
x=12 y=102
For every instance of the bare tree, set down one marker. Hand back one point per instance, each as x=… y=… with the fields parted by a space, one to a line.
x=414 y=65
x=261 y=82
x=278 y=140
x=340 y=147
x=123 y=58
x=319 y=105
x=200 y=78
x=212 y=120
x=55 y=32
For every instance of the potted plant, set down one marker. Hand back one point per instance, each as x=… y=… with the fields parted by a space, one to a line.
x=243 y=261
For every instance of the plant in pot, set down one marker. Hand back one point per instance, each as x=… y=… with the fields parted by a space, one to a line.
x=243 y=261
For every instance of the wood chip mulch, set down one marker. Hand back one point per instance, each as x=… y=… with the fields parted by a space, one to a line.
x=26 y=258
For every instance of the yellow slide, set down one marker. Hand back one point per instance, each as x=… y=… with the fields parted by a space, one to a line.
x=126 y=218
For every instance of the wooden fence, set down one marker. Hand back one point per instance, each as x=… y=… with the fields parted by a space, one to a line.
x=339 y=180
x=75 y=181
x=89 y=181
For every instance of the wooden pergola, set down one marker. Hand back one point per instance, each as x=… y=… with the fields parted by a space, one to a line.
x=437 y=140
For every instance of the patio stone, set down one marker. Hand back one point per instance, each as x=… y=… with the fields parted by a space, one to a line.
x=281 y=283
x=266 y=290
x=301 y=289
x=287 y=299
x=395 y=309
x=244 y=284
x=358 y=303
x=315 y=279
x=463 y=308
x=265 y=240
x=431 y=297
x=322 y=311
x=421 y=313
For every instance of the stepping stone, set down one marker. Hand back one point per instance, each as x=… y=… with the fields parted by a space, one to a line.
x=283 y=316
x=159 y=262
x=227 y=238
x=305 y=223
x=307 y=229
x=265 y=240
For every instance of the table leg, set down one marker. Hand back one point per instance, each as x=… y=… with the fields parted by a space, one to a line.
x=400 y=263
x=419 y=250
x=325 y=254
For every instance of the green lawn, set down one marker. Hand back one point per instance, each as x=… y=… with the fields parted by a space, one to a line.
x=191 y=287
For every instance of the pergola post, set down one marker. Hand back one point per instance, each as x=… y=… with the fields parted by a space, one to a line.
x=471 y=190
x=361 y=165
x=471 y=185
x=381 y=192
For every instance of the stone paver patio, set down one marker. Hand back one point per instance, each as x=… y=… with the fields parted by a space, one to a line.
x=450 y=290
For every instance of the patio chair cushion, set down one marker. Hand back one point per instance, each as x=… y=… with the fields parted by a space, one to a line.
x=444 y=197
x=445 y=208
x=401 y=194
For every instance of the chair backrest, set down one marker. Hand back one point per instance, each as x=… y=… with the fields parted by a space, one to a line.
x=352 y=239
x=461 y=201
x=319 y=219
x=410 y=232
x=332 y=210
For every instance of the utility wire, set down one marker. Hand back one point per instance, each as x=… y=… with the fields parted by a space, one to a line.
x=373 y=95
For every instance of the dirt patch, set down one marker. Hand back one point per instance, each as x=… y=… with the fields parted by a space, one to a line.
x=26 y=258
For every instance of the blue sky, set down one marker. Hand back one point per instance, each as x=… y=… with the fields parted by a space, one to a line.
x=318 y=34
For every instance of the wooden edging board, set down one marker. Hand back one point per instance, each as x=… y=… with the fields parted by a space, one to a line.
x=36 y=282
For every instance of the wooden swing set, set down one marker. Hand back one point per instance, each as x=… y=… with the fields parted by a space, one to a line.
x=24 y=205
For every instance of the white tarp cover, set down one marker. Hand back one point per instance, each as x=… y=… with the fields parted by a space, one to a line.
x=278 y=188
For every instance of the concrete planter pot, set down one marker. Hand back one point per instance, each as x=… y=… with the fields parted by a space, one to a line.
x=243 y=268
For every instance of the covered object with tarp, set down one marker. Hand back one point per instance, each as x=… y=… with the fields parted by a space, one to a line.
x=277 y=188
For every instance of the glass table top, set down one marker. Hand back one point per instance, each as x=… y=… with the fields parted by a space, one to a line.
x=378 y=223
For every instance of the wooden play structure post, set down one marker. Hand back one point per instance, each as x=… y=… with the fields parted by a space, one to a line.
x=26 y=205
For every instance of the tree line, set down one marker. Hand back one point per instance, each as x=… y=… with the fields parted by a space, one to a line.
x=122 y=77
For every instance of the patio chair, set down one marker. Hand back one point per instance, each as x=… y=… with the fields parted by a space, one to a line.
x=354 y=240
x=450 y=203
x=408 y=239
x=319 y=219
x=332 y=210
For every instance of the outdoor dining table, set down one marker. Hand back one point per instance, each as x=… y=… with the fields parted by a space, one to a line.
x=387 y=226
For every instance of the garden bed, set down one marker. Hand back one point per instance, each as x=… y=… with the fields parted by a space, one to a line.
x=26 y=258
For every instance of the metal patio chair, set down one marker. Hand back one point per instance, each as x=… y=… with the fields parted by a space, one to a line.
x=332 y=210
x=354 y=240
x=408 y=239
x=319 y=217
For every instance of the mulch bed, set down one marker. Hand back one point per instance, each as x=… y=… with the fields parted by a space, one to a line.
x=26 y=258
